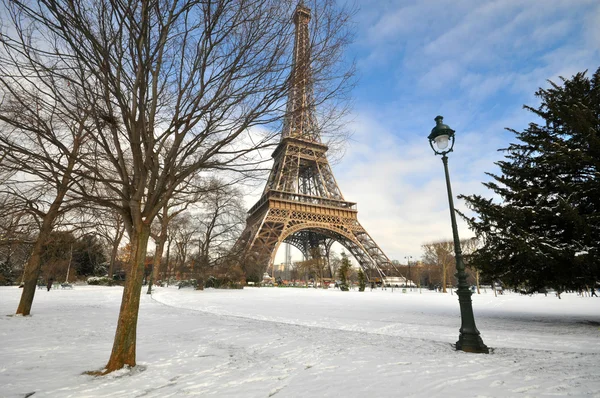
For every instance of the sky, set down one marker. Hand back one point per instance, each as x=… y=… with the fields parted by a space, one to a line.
x=474 y=62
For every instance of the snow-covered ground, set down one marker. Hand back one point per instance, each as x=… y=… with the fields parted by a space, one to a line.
x=263 y=342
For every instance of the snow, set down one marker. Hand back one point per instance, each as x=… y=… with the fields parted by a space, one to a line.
x=286 y=342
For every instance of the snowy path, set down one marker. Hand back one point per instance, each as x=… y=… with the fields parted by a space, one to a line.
x=300 y=343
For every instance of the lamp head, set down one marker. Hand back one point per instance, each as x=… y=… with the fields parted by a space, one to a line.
x=441 y=137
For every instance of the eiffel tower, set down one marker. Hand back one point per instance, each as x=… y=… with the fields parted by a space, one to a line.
x=302 y=204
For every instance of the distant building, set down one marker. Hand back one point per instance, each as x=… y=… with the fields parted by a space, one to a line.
x=399 y=281
x=282 y=271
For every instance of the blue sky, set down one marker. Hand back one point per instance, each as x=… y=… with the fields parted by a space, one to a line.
x=474 y=62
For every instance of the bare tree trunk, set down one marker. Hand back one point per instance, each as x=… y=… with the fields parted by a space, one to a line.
x=123 y=351
x=160 y=247
x=329 y=267
x=34 y=264
x=321 y=264
x=115 y=250
x=168 y=259
x=444 y=281
x=31 y=274
x=477 y=281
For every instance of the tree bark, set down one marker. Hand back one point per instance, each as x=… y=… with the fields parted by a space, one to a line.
x=444 y=274
x=123 y=351
x=160 y=247
x=34 y=264
x=115 y=250
x=31 y=274
x=168 y=259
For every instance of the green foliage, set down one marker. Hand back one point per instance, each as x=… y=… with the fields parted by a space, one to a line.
x=223 y=281
x=188 y=283
x=88 y=256
x=546 y=230
x=361 y=280
x=344 y=272
x=7 y=274
x=100 y=281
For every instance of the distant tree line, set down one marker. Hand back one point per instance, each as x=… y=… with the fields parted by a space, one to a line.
x=198 y=243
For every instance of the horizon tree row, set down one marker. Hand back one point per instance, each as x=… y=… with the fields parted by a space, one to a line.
x=200 y=235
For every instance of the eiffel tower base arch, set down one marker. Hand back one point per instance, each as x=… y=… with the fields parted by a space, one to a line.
x=305 y=226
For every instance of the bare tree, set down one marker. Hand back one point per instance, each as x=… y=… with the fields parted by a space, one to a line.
x=167 y=89
x=334 y=261
x=468 y=248
x=44 y=123
x=221 y=219
x=160 y=238
x=110 y=226
x=183 y=230
x=441 y=254
x=16 y=236
x=315 y=267
x=171 y=209
x=42 y=182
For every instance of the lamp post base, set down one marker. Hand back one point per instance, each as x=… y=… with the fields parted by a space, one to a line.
x=468 y=339
x=471 y=343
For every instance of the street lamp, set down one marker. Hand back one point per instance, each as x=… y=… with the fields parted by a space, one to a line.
x=408 y=262
x=469 y=340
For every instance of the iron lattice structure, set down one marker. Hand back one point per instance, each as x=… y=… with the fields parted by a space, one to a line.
x=302 y=204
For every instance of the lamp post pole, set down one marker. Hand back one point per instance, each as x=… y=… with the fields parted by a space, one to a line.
x=469 y=339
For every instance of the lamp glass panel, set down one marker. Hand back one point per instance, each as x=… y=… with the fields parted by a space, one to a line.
x=441 y=141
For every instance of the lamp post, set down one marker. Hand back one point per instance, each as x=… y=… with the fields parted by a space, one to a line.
x=469 y=340
x=408 y=263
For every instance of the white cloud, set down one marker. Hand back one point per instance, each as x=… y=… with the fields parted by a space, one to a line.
x=592 y=33
x=400 y=188
x=440 y=75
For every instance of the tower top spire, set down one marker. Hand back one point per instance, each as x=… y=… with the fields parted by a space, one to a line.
x=300 y=121
x=302 y=13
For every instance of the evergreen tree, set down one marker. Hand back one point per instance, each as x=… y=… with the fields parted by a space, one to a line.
x=546 y=229
x=362 y=283
x=88 y=256
x=7 y=274
x=344 y=272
